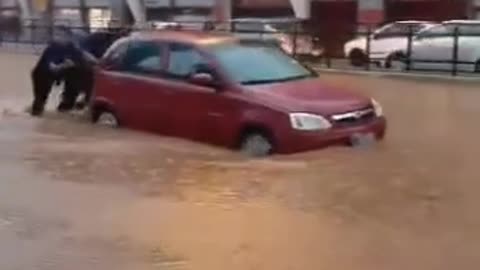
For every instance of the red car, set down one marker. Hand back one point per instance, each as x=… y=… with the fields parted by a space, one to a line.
x=216 y=89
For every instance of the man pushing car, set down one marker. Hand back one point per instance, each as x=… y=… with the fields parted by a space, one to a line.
x=59 y=61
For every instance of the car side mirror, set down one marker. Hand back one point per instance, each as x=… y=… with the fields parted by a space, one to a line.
x=203 y=79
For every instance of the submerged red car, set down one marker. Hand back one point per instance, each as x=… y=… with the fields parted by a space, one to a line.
x=214 y=88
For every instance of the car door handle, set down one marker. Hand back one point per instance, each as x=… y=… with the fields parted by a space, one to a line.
x=215 y=114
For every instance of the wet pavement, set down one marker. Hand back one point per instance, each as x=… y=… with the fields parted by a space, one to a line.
x=74 y=196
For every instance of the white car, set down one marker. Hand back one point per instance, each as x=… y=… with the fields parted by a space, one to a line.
x=387 y=43
x=159 y=25
x=433 y=48
x=279 y=31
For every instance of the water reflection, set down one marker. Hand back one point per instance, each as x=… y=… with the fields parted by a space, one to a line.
x=407 y=203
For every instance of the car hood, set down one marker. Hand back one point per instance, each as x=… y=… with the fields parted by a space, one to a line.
x=310 y=96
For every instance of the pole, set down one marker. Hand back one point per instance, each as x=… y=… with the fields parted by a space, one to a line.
x=409 y=49
x=455 y=51
x=369 y=41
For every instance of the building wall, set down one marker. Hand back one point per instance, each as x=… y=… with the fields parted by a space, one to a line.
x=368 y=11
x=375 y=11
x=185 y=9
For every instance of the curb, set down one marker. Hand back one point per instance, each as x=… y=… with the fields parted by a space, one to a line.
x=403 y=75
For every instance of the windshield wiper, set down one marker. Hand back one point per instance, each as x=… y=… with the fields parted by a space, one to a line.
x=287 y=79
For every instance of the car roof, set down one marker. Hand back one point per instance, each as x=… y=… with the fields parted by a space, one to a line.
x=462 y=22
x=414 y=22
x=184 y=36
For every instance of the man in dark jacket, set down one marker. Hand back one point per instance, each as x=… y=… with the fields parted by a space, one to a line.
x=60 y=55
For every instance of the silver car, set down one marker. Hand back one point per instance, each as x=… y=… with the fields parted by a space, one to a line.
x=288 y=33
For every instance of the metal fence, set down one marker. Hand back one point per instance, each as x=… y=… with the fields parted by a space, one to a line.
x=456 y=51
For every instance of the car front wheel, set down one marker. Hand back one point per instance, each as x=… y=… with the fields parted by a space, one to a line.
x=105 y=118
x=256 y=144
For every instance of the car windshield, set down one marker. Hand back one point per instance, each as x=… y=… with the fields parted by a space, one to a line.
x=436 y=30
x=401 y=29
x=250 y=64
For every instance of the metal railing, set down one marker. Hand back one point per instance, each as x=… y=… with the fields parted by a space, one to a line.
x=459 y=50
x=451 y=51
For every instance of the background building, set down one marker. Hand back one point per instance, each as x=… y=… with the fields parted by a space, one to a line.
x=348 y=11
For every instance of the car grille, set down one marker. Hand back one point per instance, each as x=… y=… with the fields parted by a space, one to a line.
x=353 y=118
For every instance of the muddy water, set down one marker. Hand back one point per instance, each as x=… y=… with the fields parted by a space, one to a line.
x=83 y=197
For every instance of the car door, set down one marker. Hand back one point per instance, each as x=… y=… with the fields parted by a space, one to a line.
x=383 y=40
x=198 y=112
x=141 y=86
x=468 y=47
x=111 y=85
x=432 y=49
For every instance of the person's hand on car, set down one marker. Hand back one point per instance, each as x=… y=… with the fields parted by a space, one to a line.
x=68 y=63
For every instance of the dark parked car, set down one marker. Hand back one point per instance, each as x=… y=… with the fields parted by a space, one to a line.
x=216 y=89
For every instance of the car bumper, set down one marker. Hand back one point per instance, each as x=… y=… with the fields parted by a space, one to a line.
x=298 y=141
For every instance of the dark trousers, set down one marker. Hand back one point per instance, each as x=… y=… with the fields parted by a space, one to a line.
x=88 y=82
x=42 y=86
x=77 y=81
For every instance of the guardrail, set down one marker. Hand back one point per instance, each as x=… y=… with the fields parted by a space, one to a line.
x=457 y=47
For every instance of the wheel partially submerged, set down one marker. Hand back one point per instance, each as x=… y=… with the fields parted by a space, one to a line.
x=105 y=117
x=256 y=144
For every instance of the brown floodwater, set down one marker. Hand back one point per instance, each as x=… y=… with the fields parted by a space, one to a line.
x=76 y=196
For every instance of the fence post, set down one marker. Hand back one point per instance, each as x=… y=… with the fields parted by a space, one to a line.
x=295 y=36
x=455 y=51
x=33 y=35
x=17 y=39
x=368 y=49
x=409 y=49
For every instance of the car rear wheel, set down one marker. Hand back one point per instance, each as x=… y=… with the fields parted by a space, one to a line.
x=477 y=66
x=395 y=60
x=105 y=117
x=357 y=58
x=256 y=144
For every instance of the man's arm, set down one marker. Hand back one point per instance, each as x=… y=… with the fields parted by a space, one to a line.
x=89 y=57
x=67 y=63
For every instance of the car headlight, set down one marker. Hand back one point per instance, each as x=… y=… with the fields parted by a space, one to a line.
x=377 y=107
x=309 y=122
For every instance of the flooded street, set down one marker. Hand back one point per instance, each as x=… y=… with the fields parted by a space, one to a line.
x=75 y=196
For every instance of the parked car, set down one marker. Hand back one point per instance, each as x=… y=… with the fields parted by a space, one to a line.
x=387 y=44
x=433 y=48
x=166 y=25
x=181 y=23
x=216 y=89
x=288 y=33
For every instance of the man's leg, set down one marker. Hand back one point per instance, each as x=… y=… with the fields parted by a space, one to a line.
x=70 y=92
x=87 y=82
x=42 y=85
